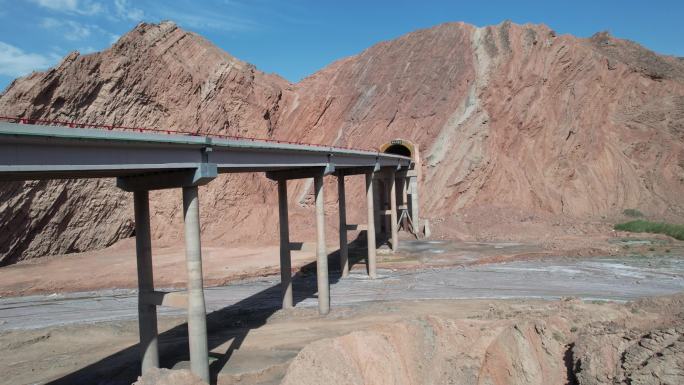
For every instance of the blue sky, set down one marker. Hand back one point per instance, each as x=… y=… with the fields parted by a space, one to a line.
x=295 y=38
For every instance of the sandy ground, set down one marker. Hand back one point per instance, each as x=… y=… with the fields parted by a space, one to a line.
x=258 y=347
x=90 y=336
x=115 y=267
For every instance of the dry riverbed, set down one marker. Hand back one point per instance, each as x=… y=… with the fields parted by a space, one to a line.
x=525 y=320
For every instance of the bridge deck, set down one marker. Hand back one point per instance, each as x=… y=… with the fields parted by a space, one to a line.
x=57 y=152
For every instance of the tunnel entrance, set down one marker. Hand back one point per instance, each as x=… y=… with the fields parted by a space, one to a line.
x=405 y=186
x=399 y=147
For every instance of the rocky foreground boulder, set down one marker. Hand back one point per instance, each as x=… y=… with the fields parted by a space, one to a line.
x=163 y=376
x=524 y=133
x=625 y=357
x=558 y=349
x=436 y=351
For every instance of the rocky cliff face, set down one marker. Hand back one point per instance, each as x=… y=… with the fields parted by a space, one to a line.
x=518 y=127
x=155 y=76
x=523 y=133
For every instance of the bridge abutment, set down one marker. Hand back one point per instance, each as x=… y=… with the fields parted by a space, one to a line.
x=410 y=179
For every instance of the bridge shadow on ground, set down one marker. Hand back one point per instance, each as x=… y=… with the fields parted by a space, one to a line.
x=233 y=322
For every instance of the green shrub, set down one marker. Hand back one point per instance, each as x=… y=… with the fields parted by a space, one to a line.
x=557 y=336
x=634 y=213
x=641 y=226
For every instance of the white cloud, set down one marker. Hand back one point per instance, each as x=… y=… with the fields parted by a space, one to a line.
x=86 y=50
x=203 y=19
x=81 y=7
x=72 y=30
x=125 y=11
x=15 y=62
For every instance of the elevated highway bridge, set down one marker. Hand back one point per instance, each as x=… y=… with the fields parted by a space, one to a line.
x=142 y=160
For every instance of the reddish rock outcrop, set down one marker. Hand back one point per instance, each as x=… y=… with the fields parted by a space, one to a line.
x=617 y=356
x=518 y=128
x=523 y=133
x=163 y=376
x=155 y=76
x=642 y=346
x=437 y=351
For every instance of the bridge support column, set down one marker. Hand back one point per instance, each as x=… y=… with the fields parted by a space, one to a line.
x=386 y=220
x=147 y=312
x=377 y=204
x=394 y=226
x=370 y=232
x=402 y=194
x=197 y=315
x=413 y=200
x=285 y=256
x=344 y=251
x=321 y=253
x=402 y=205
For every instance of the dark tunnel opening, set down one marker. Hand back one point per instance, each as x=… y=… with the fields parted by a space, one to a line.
x=398 y=149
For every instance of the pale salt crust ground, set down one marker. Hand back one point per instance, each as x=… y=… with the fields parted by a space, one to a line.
x=617 y=279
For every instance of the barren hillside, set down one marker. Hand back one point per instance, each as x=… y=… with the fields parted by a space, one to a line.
x=523 y=133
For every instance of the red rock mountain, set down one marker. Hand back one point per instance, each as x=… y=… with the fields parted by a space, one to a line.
x=523 y=133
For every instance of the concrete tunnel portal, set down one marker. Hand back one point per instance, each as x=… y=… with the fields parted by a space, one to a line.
x=404 y=196
x=399 y=147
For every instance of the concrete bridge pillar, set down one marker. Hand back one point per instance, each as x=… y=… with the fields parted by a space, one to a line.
x=344 y=250
x=197 y=315
x=321 y=253
x=413 y=199
x=402 y=206
x=386 y=219
x=147 y=312
x=370 y=231
x=285 y=256
x=377 y=204
x=394 y=226
x=401 y=187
